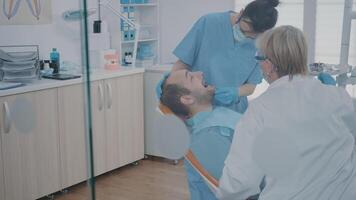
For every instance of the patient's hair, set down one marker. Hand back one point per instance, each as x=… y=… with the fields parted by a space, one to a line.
x=262 y=14
x=170 y=97
x=286 y=48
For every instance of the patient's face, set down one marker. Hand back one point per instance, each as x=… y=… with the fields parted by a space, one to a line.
x=193 y=81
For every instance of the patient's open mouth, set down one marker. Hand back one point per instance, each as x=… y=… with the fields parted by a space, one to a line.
x=204 y=83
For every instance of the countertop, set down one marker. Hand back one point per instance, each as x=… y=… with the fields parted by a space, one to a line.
x=160 y=68
x=50 y=83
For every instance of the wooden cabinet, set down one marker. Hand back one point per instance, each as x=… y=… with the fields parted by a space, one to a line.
x=72 y=134
x=2 y=185
x=43 y=141
x=29 y=142
x=112 y=123
x=98 y=126
x=117 y=107
x=130 y=118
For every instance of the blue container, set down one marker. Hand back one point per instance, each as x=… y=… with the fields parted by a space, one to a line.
x=145 y=51
x=124 y=1
x=126 y=35
x=54 y=56
x=131 y=12
x=132 y=34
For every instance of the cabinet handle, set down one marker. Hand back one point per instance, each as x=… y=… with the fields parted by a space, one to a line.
x=7 y=118
x=108 y=88
x=101 y=97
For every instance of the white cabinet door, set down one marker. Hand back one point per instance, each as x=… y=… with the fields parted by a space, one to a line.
x=72 y=134
x=112 y=124
x=130 y=118
x=29 y=139
x=2 y=185
x=98 y=126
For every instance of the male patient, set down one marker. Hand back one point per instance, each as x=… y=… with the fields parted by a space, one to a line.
x=211 y=129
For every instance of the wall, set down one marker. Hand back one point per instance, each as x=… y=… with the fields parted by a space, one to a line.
x=176 y=18
x=65 y=36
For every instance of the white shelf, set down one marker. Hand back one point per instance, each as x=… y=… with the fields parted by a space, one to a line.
x=143 y=40
x=148 y=40
x=141 y=5
x=147 y=16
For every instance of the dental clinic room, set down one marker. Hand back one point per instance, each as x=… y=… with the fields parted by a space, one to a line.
x=178 y=99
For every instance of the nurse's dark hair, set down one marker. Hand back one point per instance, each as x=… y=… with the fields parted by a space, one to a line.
x=170 y=97
x=262 y=13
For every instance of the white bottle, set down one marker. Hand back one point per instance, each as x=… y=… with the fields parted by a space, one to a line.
x=129 y=58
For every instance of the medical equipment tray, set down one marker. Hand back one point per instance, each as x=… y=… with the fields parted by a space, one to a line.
x=61 y=76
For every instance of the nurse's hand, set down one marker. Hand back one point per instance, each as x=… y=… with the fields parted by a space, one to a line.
x=326 y=79
x=225 y=96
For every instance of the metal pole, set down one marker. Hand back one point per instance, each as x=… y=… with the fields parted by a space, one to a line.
x=309 y=27
x=345 y=41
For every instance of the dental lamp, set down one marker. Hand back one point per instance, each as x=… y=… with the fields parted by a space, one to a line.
x=74 y=15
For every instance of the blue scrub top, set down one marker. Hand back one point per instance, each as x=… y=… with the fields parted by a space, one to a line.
x=211 y=134
x=210 y=47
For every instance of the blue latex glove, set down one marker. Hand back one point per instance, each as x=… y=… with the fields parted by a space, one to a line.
x=159 y=85
x=225 y=95
x=326 y=79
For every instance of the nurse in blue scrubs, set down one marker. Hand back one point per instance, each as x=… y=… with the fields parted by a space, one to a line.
x=221 y=45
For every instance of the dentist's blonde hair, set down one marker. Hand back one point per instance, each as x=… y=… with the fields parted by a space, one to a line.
x=286 y=48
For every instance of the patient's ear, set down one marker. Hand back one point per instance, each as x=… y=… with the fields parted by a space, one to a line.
x=187 y=99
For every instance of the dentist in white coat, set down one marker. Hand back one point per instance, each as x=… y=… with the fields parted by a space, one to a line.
x=292 y=139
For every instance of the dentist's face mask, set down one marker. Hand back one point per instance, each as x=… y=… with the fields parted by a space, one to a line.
x=241 y=35
x=238 y=35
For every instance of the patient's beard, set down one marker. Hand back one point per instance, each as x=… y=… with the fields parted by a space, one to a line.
x=204 y=99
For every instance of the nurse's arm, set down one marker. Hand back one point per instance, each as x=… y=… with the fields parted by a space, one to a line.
x=179 y=65
x=246 y=89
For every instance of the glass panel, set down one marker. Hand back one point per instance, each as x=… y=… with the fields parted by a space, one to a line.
x=43 y=136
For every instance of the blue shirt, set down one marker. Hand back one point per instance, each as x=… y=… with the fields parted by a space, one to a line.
x=210 y=47
x=211 y=134
x=210 y=145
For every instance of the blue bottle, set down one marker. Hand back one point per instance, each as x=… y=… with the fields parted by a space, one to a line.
x=55 y=60
x=54 y=55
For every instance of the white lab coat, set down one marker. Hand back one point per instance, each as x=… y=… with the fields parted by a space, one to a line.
x=293 y=139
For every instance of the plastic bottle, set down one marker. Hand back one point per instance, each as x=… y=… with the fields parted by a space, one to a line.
x=125 y=58
x=54 y=55
x=129 y=58
x=55 y=60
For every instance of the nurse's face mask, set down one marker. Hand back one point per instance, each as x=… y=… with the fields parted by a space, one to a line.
x=243 y=31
